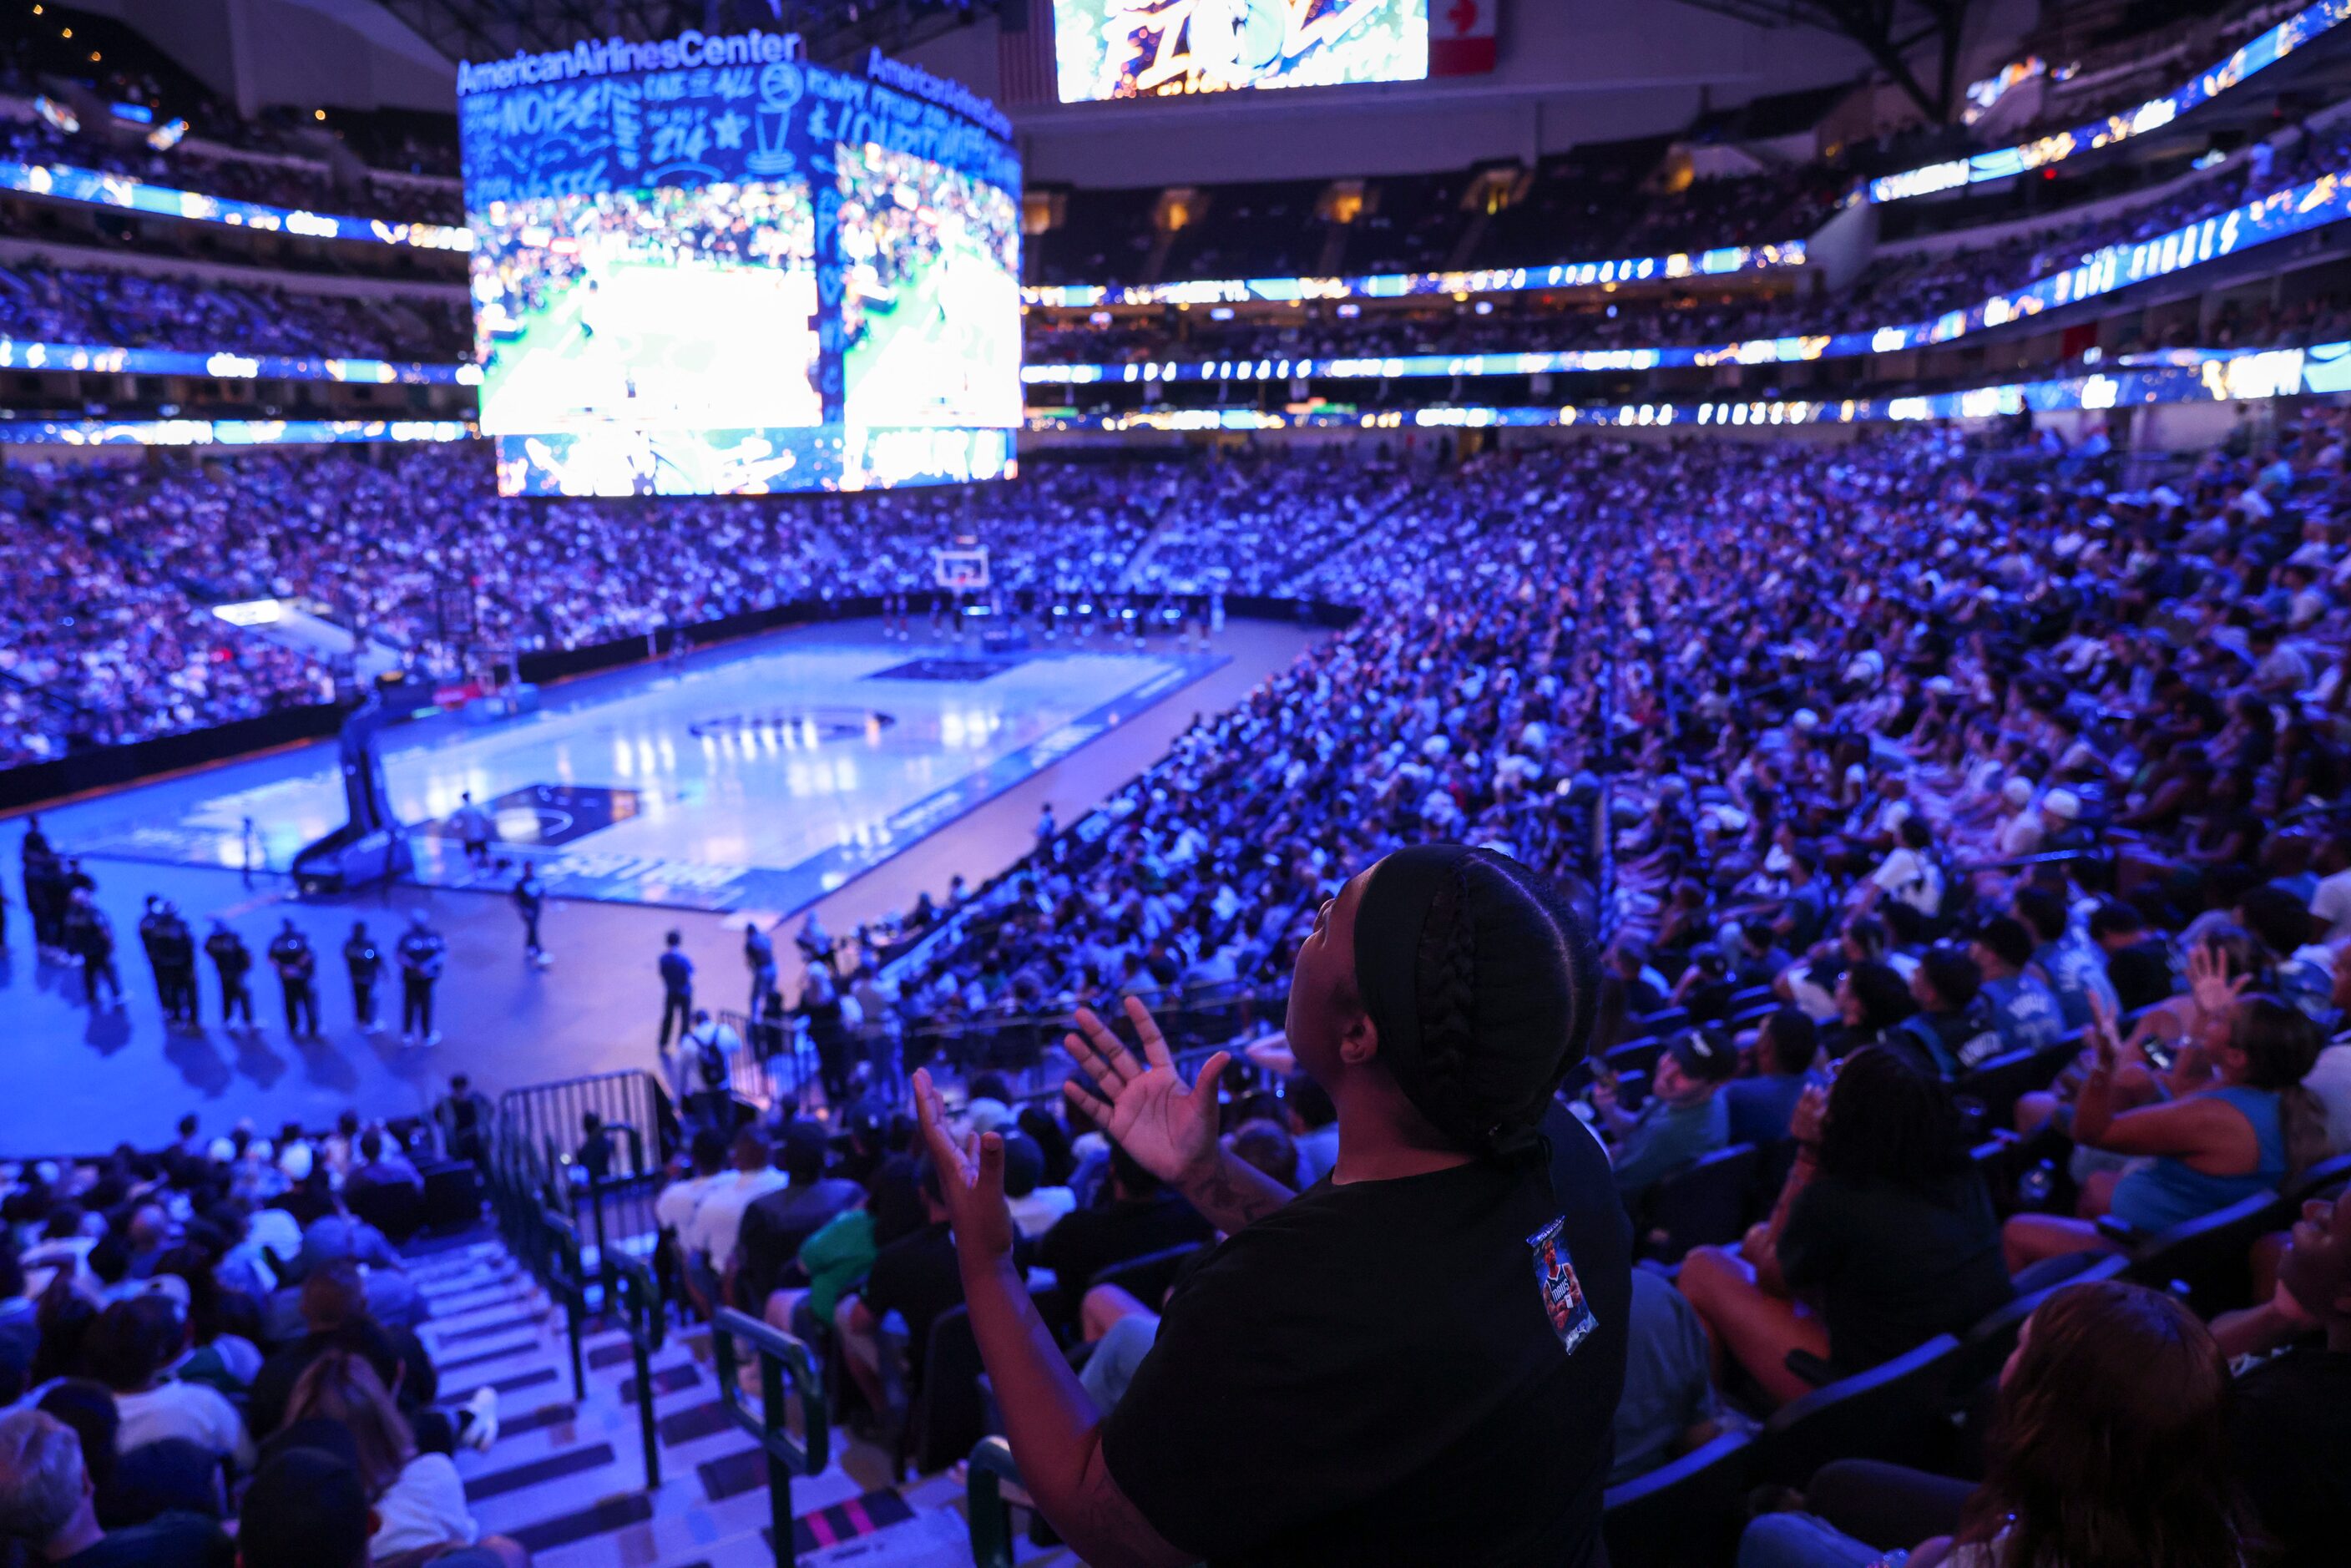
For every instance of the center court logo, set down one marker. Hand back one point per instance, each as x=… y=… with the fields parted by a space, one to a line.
x=800 y=726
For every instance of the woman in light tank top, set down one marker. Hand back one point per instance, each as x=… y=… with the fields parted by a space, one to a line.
x=2221 y=1137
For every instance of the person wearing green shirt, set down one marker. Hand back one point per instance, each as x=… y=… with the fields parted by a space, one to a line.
x=836 y=1261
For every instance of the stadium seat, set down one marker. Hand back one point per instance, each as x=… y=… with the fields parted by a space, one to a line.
x=2318 y=1181
x=1705 y=1204
x=1689 y=1512
x=2207 y=1259
x=393 y=1208
x=1147 y=1278
x=1986 y=1346
x=1891 y=1412
x=452 y=1196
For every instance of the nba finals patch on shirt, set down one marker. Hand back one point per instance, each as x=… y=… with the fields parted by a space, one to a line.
x=1563 y=1293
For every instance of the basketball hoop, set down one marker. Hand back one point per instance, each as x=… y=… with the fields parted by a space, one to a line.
x=960 y=570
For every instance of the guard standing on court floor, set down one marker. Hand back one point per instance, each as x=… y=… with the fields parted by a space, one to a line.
x=677 y=988
x=422 y=951
x=149 y=923
x=89 y=937
x=365 y=962
x=531 y=902
x=298 y=969
x=234 y=960
x=174 y=955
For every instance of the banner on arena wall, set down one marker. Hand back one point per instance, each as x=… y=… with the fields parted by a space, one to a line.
x=228 y=431
x=2257 y=54
x=1461 y=36
x=65 y=183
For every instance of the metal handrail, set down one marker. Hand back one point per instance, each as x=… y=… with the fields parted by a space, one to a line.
x=630 y=1288
x=986 y=1511
x=785 y=1367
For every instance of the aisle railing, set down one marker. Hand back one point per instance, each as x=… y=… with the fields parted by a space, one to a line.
x=786 y=1368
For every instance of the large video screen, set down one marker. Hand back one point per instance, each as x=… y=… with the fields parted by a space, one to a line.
x=1152 y=49
x=706 y=267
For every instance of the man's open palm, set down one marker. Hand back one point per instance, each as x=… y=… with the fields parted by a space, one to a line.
x=1167 y=1126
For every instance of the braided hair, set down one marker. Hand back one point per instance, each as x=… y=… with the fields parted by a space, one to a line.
x=1506 y=984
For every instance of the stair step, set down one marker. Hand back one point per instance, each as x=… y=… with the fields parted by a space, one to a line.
x=495 y=1354
x=538 y=1472
x=503 y=1384
x=512 y=1321
x=666 y=1380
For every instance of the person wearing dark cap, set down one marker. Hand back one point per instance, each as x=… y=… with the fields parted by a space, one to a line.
x=1683 y=1117
x=1418 y=1360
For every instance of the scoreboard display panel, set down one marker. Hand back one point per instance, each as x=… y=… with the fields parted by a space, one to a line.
x=706 y=267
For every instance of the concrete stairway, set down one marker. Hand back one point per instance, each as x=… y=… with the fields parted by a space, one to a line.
x=566 y=1477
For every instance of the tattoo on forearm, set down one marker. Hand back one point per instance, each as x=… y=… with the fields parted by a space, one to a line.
x=1220 y=1194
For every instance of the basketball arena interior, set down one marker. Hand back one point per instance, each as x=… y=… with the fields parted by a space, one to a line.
x=753 y=751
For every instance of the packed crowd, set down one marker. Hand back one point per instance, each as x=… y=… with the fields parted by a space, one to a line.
x=222 y=1335
x=1828 y=706
x=107 y=572
x=52 y=304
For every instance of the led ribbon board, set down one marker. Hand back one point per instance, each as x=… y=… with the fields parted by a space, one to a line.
x=2255 y=55
x=65 y=183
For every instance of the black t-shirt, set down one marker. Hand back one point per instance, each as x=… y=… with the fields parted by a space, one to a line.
x=1082 y=1244
x=1372 y=1374
x=1892 y=1267
x=918 y=1277
x=172 y=1541
x=2141 y=976
x=2290 y=1439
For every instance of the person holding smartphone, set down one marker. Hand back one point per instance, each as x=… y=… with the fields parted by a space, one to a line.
x=1416 y=1360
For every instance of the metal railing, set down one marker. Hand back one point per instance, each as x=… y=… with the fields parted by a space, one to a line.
x=546 y=1117
x=786 y=1368
x=985 y=1510
x=644 y=1319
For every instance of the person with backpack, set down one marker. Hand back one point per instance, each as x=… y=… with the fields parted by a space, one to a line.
x=233 y=960
x=365 y=962
x=706 y=1070
x=298 y=969
x=422 y=953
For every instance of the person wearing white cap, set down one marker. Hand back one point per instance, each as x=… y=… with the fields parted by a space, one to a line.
x=2021 y=830
x=2059 y=811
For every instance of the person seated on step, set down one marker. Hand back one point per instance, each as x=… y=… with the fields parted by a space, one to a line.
x=49 y=1506
x=311 y=1508
x=343 y=1406
x=710 y=1237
